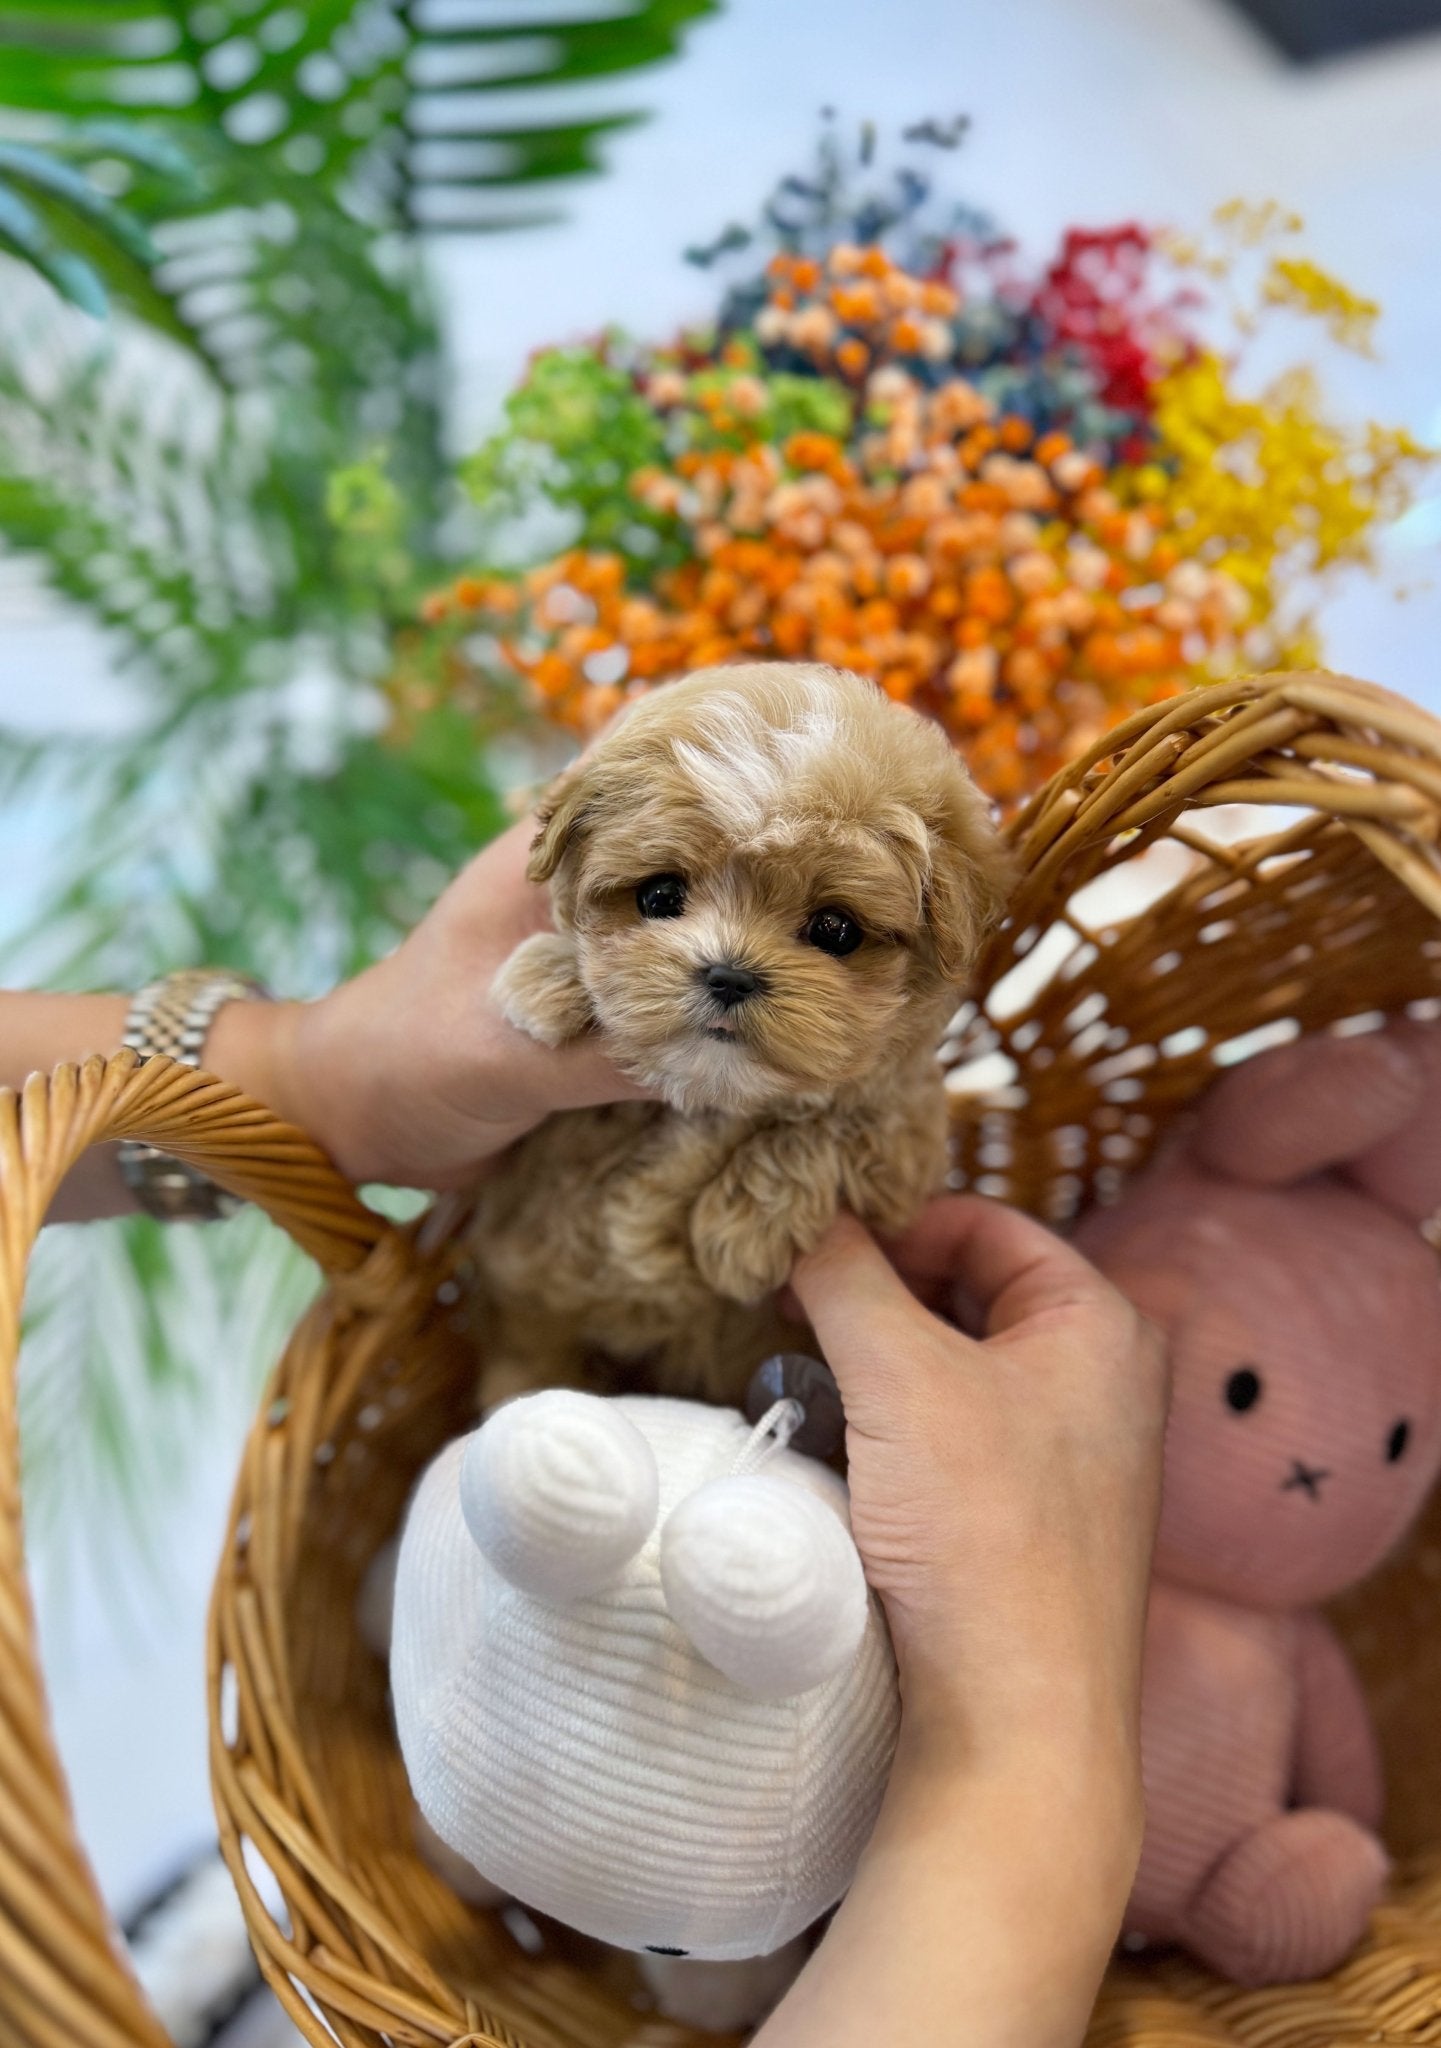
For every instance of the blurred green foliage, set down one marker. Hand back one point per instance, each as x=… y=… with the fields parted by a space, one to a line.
x=222 y=438
x=579 y=425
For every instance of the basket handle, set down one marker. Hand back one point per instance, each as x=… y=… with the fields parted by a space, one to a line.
x=63 y=1981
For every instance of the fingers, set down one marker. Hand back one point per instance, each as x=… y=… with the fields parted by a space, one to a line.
x=582 y=1077
x=847 y=1273
x=867 y=1318
x=1012 y=1267
x=861 y=1310
x=490 y=906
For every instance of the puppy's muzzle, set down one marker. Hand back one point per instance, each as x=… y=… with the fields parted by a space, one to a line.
x=728 y=984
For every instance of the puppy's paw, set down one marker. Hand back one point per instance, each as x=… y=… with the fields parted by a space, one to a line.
x=887 y=1183
x=741 y=1257
x=771 y=1201
x=540 y=991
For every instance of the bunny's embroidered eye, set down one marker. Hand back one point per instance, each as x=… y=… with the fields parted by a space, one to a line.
x=1243 y=1389
x=661 y=896
x=1397 y=1441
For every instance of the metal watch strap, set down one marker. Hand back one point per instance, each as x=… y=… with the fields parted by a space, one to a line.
x=173 y=1016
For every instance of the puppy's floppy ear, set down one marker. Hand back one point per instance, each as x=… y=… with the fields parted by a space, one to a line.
x=971 y=877
x=560 y=818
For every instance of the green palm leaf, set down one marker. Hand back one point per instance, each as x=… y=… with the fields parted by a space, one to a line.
x=134 y=1342
x=248 y=517
x=364 y=93
x=205 y=165
x=61 y=212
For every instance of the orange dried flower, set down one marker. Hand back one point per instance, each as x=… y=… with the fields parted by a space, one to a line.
x=996 y=578
x=906 y=336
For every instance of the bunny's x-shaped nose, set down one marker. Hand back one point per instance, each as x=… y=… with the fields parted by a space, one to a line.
x=1307 y=1477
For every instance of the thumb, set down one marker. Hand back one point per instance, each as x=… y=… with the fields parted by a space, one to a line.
x=866 y=1318
x=583 y=1075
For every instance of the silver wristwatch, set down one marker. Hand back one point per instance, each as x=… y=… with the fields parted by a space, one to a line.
x=173 y=1016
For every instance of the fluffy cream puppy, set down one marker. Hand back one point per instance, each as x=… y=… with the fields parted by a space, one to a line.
x=769 y=884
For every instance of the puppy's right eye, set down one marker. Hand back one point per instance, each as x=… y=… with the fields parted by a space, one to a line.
x=661 y=896
x=833 y=931
x=1243 y=1389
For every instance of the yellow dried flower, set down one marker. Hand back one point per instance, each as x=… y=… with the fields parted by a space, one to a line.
x=1307 y=288
x=1260 y=480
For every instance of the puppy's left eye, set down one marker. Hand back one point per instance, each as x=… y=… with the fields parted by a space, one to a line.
x=833 y=931
x=661 y=896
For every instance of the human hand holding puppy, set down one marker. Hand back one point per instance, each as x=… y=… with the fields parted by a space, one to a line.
x=1004 y=1485
x=410 y=1073
x=1004 y=1493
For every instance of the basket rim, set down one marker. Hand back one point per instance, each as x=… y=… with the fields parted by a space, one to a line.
x=1354 y=756
x=67 y=1979
x=1279 y=740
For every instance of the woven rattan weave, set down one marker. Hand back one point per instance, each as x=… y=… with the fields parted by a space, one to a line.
x=1098 y=1024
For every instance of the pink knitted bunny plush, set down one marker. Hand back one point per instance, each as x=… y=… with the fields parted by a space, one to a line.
x=1277 y=1245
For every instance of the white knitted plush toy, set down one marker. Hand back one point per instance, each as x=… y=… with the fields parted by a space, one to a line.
x=640 y=1682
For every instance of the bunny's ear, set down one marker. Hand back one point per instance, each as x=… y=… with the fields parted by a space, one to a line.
x=1303 y=1107
x=559 y=1491
x=766 y=1581
x=1404 y=1169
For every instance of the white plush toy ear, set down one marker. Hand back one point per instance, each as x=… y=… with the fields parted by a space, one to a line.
x=559 y=1491
x=765 y=1580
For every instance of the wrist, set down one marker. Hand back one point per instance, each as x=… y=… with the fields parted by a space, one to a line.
x=252 y=1045
x=1023 y=1698
x=1036 y=1866
x=996 y=1892
x=297 y=1059
x=1082 y=1797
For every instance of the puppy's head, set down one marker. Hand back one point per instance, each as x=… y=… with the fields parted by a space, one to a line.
x=776 y=878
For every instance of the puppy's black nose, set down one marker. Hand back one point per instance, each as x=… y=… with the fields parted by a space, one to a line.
x=729 y=984
x=1306 y=1478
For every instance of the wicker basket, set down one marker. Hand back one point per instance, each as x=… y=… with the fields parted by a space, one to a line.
x=1096 y=1029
